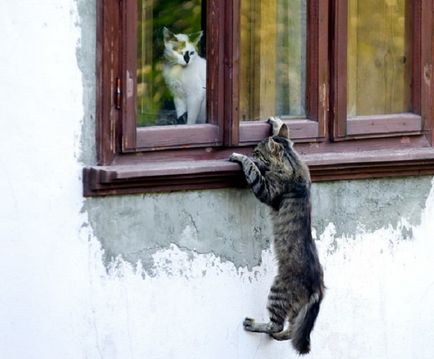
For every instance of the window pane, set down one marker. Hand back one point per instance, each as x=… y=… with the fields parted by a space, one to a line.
x=379 y=58
x=171 y=69
x=273 y=58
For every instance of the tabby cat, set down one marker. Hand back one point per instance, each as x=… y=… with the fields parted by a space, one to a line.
x=279 y=178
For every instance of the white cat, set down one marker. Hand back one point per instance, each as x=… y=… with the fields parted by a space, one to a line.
x=185 y=74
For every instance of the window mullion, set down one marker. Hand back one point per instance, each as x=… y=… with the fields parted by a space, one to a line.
x=318 y=80
x=338 y=74
x=231 y=72
x=129 y=79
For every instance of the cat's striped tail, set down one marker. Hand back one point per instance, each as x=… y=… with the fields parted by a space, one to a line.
x=303 y=324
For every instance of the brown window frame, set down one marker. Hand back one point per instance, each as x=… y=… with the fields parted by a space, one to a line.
x=134 y=160
x=418 y=120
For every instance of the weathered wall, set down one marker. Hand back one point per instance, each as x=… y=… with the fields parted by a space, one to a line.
x=173 y=275
x=234 y=226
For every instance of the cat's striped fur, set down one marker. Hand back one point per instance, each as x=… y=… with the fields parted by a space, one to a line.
x=279 y=178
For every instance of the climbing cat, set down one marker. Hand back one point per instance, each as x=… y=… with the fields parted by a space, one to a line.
x=279 y=178
x=185 y=74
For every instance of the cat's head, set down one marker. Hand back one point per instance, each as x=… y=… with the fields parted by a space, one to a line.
x=269 y=154
x=180 y=49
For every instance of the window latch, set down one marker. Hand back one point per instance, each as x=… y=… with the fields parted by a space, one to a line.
x=118 y=94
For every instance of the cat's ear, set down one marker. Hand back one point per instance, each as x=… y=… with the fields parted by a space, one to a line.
x=283 y=131
x=195 y=37
x=167 y=34
x=273 y=146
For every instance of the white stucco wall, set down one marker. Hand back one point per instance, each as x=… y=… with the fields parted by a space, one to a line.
x=58 y=301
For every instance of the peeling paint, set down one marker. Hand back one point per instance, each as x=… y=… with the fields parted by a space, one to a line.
x=232 y=224
x=229 y=223
x=86 y=60
x=368 y=205
x=427 y=74
x=371 y=307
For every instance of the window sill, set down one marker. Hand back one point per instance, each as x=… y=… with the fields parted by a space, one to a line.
x=207 y=174
x=384 y=125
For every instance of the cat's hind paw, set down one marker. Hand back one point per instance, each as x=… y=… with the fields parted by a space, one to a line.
x=249 y=324
x=283 y=335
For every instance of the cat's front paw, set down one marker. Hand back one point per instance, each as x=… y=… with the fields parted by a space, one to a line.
x=236 y=157
x=276 y=123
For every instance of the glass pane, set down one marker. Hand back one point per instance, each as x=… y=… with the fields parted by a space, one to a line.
x=273 y=59
x=171 y=68
x=379 y=58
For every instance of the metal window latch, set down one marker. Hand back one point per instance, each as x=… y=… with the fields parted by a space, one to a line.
x=118 y=94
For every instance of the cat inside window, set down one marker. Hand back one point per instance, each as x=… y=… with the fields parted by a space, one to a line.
x=184 y=72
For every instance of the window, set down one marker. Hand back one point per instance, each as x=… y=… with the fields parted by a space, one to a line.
x=352 y=79
x=272 y=59
x=382 y=75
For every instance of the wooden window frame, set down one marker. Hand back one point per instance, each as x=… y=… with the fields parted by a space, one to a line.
x=135 y=160
x=152 y=138
x=417 y=122
x=313 y=127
